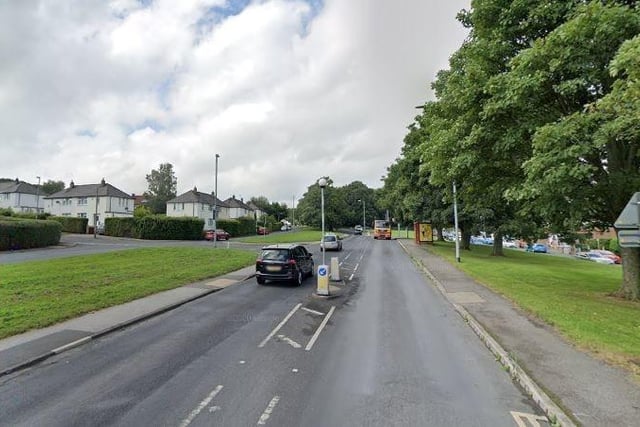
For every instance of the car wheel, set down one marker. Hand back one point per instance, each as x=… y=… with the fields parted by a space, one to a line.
x=312 y=272
x=260 y=280
x=298 y=280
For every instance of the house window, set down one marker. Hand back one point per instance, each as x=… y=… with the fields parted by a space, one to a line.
x=82 y=201
x=210 y=222
x=82 y=215
x=182 y=207
x=66 y=214
x=4 y=196
x=174 y=206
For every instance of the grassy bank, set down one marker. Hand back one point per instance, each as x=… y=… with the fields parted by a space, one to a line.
x=40 y=293
x=572 y=295
x=284 y=237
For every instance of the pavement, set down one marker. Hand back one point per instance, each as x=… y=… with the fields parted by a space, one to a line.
x=571 y=386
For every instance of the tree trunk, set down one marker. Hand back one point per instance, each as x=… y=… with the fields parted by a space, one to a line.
x=497 y=244
x=466 y=240
x=630 y=287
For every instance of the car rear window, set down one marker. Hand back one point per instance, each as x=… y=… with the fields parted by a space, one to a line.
x=275 y=254
x=329 y=238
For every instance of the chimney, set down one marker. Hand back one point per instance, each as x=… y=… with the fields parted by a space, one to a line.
x=195 y=189
x=17 y=181
x=103 y=183
x=72 y=184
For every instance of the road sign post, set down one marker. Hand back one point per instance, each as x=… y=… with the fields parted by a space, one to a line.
x=323 y=280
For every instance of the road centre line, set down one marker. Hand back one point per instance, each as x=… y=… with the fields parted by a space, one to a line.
x=201 y=406
x=320 y=328
x=351 y=277
x=347 y=257
x=269 y=410
x=356 y=267
x=313 y=311
x=277 y=328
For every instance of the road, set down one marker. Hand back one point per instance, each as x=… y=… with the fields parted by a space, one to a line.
x=388 y=352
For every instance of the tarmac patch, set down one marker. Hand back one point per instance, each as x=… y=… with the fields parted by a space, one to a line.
x=465 y=297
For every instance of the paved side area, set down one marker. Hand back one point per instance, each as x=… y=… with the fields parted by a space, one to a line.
x=22 y=350
x=590 y=391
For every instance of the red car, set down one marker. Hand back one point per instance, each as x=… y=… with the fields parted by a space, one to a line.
x=220 y=235
x=262 y=231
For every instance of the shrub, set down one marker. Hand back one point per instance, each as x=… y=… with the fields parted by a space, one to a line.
x=160 y=227
x=72 y=224
x=6 y=212
x=231 y=226
x=614 y=246
x=120 y=227
x=20 y=233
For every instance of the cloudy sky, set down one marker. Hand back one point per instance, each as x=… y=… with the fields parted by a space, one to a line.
x=285 y=91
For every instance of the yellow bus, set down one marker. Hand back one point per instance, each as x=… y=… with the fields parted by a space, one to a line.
x=381 y=229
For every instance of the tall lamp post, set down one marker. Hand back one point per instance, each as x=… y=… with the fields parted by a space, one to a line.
x=38 y=197
x=364 y=215
x=215 y=204
x=455 y=220
x=323 y=279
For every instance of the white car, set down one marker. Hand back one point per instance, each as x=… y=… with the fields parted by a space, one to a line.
x=331 y=242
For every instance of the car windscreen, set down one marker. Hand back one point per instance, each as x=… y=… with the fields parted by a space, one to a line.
x=275 y=254
x=329 y=238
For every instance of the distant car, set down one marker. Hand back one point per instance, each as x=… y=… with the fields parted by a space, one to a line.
x=357 y=229
x=220 y=234
x=509 y=244
x=290 y=263
x=285 y=228
x=331 y=242
x=608 y=254
x=538 y=248
x=262 y=231
x=595 y=257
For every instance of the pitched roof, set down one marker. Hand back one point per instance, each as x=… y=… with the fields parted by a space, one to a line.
x=18 y=187
x=88 y=190
x=232 y=202
x=195 y=196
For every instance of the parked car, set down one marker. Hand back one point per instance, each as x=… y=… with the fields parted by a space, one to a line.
x=509 y=244
x=357 y=229
x=285 y=228
x=538 y=248
x=331 y=242
x=262 y=231
x=220 y=234
x=290 y=263
x=595 y=256
x=615 y=257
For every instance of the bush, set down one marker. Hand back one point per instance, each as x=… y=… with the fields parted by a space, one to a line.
x=72 y=224
x=120 y=227
x=160 y=227
x=20 y=233
x=6 y=212
x=231 y=226
x=614 y=246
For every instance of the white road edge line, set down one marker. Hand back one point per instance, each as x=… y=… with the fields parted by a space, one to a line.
x=277 y=328
x=315 y=336
x=70 y=345
x=313 y=311
x=201 y=406
x=267 y=412
x=351 y=277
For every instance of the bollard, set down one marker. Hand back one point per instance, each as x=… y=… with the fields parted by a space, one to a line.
x=323 y=280
x=335 y=269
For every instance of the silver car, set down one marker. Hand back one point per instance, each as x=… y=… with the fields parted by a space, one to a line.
x=331 y=242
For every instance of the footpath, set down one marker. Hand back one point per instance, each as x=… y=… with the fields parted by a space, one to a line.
x=24 y=350
x=587 y=390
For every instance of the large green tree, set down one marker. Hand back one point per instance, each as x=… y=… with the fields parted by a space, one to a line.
x=162 y=187
x=50 y=187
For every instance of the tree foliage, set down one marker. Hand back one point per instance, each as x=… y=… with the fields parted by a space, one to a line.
x=49 y=187
x=162 y=187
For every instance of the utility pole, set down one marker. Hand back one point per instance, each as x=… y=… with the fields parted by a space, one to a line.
x=38 y=197
x=455 y=220
x=215 y=204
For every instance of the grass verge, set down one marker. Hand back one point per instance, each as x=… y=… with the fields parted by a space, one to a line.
x=40 y=293
x=572 y=295
x=284 y=237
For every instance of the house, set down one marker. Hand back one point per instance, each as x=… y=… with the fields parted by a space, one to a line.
x=238 y=208
x=198 y=205
x=20 y=196
x=257 y=212
x=84 y=201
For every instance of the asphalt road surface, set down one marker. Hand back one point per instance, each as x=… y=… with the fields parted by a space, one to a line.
x=389 y=352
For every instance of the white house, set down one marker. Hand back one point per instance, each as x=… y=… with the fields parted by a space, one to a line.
x=84 y=201
x=20 y=196
x=198 y=205
x=257 y=212
x=238 y=208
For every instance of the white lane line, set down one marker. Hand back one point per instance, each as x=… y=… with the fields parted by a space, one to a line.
x=289 y=341
x=320 y=328
x=351 y=277
x=267 y=412
x=356 y=267
x=313 y=311
x=347 y=257
x=277 y=328
x=532 y=419
x=200 y=407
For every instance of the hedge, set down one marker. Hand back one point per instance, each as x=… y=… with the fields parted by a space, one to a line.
x=245 y=226
x=19 y=233
x=71 y=224
x=159 y=227
x=120 y=227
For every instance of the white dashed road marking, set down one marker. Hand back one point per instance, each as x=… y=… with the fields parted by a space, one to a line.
x=201 y=406
x=267 y=412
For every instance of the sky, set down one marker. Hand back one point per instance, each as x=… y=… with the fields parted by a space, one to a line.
x=285 y=91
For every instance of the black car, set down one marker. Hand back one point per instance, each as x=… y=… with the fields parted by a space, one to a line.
x=284 y=262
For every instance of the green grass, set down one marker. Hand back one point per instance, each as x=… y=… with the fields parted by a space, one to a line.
x=284 y=237
x=40 y=293
x=572 y=295
x=402 y=234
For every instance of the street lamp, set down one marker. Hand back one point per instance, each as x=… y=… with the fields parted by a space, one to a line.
x=455 y=220
x=322 y=182
x=364 y=215
x=38 y=197
x=215 y=204
x=323 y=284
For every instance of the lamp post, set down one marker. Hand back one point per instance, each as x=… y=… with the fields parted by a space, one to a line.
x=364 y=215
x=38 y=197
x=215 y=204
x=455 y=220
x=322 y=183
x=95 y=215
x=293 y=211
x=323 y=279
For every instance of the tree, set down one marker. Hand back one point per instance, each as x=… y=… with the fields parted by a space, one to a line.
x=162 y=187
x=49 y=187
